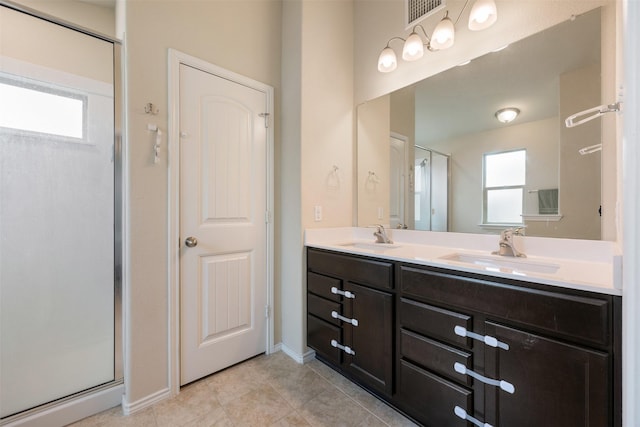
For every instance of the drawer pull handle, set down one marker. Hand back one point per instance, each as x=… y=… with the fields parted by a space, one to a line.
x=461 y=413
x=344 y=348
x=504 y=385
x=346 y=294
x=487 y=339
x=335 y=315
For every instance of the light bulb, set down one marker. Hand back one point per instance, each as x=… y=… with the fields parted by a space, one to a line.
x=483 y=15
x=443 y=35
x=387 y=61
x=413 y=48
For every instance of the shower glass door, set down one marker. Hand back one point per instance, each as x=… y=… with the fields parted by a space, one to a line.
x=431 y=189
x=57 y=213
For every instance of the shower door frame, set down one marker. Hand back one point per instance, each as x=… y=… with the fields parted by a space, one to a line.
x=84 y=403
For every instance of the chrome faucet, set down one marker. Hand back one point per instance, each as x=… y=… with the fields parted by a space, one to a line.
x=507 y=247
x=381 y=235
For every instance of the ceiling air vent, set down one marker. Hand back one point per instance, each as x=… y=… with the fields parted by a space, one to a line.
x=417 y=10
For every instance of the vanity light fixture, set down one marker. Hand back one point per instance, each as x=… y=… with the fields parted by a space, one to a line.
x=483 y=14
x=413 y=48
x=444 y=34
x=387 y=61
x=507 y=115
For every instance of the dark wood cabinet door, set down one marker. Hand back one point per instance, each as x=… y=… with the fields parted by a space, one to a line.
x=556 y=384
x=372 y=338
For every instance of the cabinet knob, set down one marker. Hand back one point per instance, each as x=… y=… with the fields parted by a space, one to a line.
x=461 y=413
x=504 y=385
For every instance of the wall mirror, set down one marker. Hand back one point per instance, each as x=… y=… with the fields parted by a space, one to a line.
x=434 y=156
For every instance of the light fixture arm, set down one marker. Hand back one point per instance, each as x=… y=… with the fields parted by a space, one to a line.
x=461 y=11
x=394 y=38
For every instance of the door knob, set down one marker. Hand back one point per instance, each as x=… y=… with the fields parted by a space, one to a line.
x=191 y=242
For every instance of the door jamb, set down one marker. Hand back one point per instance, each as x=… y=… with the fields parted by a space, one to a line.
x=176 y=58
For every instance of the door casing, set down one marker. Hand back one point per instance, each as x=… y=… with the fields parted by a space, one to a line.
x=175 y=59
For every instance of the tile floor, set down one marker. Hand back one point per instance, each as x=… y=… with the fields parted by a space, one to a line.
x=265 y=391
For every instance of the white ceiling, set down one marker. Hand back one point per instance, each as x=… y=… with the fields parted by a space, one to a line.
x=524 y=75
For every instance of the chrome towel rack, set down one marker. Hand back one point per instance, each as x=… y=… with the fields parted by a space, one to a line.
x=594 y=112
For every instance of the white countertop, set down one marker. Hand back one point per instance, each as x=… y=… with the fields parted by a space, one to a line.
x=588 y=265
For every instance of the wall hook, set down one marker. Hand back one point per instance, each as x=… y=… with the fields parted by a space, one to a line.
x=151 y=109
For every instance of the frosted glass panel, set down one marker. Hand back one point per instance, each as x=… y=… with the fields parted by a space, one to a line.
x=57 y=246
x=505 y=169
x=504 y=206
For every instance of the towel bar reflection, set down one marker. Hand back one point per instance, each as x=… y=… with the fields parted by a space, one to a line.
x=590 y=114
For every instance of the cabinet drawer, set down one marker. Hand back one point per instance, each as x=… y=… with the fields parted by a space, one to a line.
x=322 y=308
x=359 y=270
x=432 y=399
x=434 y=322
x=321 y=285
x=435 y=356
x=582 y=317
x=319 y=336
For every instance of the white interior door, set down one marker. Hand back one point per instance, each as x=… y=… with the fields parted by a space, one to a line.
x=223 y=202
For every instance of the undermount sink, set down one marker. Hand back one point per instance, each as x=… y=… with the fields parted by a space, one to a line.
x=502 y=264
x=371 y=246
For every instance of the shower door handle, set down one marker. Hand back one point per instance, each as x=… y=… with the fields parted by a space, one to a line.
x=191 y=242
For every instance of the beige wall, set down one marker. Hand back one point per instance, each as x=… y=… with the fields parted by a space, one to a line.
x=242 y=36
x=317 y=123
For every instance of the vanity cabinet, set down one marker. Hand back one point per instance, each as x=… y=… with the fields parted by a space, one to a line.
x=350 y=316
x=452 y=348
x=504 y=353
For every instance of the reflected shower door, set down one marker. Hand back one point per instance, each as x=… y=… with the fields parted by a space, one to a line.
x=439 y=191
x=431 y=190
x=56 y=212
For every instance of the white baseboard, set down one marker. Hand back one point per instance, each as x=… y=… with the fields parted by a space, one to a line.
x=298 y=357
x=73 y=410
x=309 y=356
x=276 y=348
x=145 y=402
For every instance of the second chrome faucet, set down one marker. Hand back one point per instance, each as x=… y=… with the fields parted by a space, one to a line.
x=507 y=246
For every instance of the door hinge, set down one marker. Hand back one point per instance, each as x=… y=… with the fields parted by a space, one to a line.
x=266 y=119
x=267 y=217
x=267 y=311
